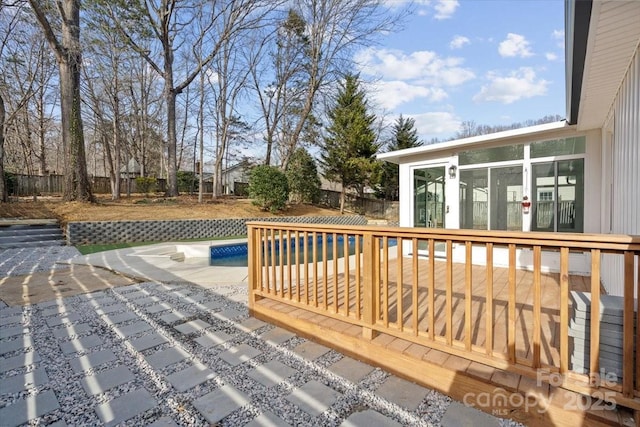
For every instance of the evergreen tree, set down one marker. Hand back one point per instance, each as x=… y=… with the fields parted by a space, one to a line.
x=405 y=135
x=350 y=144
x=302 y=176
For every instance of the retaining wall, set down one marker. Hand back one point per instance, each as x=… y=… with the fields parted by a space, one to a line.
x=103 y=232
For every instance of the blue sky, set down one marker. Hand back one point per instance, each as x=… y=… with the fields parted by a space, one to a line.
x=490 y=61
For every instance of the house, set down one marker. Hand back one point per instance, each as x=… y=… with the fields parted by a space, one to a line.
x=235 y=174
x=580 y=175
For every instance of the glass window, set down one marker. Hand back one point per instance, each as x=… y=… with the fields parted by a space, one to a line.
x=506 y=198
x=496 y=206
x=558 y=196
x=558 y=147
x=489 y=155
x=474 y=199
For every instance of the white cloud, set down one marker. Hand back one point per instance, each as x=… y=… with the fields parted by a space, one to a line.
x=515 y=45
x=441 y=9
x=519 y=84
x=551 y=56
x=558 y=35
x=390 y=94
x=445 y=8
x=436 y=124
x=424 y=66
x=458 y=41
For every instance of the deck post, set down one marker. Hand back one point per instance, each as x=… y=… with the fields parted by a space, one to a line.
x=370 y=287
x=253 y=251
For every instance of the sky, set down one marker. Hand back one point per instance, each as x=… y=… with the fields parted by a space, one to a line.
x=489 y=61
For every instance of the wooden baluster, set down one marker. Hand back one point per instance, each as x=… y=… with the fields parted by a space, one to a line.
x=385 y=281
x=511 y=334
x=370 y=288
x=325 y=274
x=537 y=312
x=274 y=288
x=335 y=273
x=281 y=261
x=594 y=358
x=297 y=261
x=468 y=295
x=449 y=293
x=399 y=292
x=345 y=248
x=432 y=285
x=315 y=269
x=306 y=267
x=414 y=289
x=627 y=326
x=489 y=300
x=358 y=280
x=564 y=310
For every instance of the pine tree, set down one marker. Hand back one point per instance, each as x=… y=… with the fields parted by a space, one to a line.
x=302 y=176
x=405 y=135
x=350 y=145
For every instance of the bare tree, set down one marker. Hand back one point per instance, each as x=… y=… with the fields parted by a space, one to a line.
x=66 y=48
x=319 y=37
x=170 y=23
x=24 y=94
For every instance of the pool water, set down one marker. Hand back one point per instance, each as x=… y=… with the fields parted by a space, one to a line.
x=235 y=255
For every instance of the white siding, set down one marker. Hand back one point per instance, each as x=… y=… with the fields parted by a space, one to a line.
x=625 y=159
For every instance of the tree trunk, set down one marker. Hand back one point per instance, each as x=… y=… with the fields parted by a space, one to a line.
x=68 y=55
x=4 y=197
x=77 y=185
x=342 y=197
x=172 y=174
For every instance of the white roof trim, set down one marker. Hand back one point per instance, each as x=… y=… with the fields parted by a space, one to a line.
x=531 y=131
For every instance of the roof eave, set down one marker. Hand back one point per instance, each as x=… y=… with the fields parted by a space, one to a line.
x=577 y=21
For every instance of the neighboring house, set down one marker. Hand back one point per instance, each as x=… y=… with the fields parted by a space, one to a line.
x=238 y=173
x=580 y=175
x=131 y=169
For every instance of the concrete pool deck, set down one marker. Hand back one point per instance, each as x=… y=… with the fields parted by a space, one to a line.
x=163 y=262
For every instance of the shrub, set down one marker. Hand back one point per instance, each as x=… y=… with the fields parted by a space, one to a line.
x=145 y=184
x=302 y=176
x=268 y=188
x=187 y=181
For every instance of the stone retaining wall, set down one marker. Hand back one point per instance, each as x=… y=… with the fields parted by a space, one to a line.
x=104 y=232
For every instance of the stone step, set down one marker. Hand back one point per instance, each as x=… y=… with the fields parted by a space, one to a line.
x=22 y=230
x=32 y=237
x=30 y=233
x=39 y=244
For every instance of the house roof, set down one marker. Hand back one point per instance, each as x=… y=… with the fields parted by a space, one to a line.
x=538 y=131
x=608 y=35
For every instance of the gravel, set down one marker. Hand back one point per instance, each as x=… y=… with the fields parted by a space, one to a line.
x=16 y=262
x=77 y=407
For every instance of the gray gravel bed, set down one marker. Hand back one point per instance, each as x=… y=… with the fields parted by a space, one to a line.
x=101 y=324
x=16 y=262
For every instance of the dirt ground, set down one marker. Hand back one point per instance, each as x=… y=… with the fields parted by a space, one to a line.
x=141 y=208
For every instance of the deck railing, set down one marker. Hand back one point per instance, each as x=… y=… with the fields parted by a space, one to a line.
x=403 y=282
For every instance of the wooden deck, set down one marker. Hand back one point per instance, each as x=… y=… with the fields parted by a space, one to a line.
x=314 y=293
x=470 y=331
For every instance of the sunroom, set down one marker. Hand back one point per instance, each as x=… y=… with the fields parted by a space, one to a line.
x=531 y=179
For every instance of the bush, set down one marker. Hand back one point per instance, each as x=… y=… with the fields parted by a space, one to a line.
x=268 y=188
x=187 y=181
x=302 y=176
x=145 y=184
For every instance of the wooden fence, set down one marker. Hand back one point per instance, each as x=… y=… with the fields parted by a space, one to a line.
x=376 y=208
x=509 y=319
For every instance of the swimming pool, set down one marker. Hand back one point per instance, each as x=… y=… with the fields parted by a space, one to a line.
x=235 y=254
